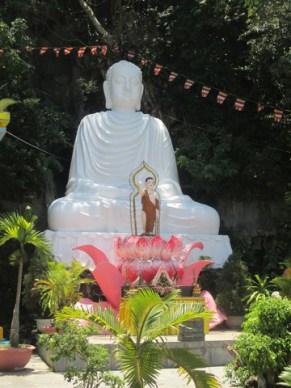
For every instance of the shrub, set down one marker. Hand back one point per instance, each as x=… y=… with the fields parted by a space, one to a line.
x=263 y=349
x=71 y=343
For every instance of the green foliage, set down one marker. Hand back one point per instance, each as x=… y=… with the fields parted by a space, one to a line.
x=72 y=344
x=21 y=229
x=60 y=286
x=258 y=288
x=231 y=285
x=285 y=377
x=263 y=349
x=140 y=348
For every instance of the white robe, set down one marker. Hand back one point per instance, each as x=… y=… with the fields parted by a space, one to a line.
x=108 y=147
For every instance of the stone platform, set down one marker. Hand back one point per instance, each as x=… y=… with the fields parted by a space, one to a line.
x=213 y=349
x=215 y=246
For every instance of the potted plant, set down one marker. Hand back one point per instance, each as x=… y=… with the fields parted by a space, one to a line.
x=20 y=229
x=231 y=286
x=59 y=287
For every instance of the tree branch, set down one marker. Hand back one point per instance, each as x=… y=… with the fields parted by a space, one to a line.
x=98 y=26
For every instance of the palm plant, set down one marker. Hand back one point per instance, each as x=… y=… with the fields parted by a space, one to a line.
x=258 y=288
x=20 y=228
x=141 y=348
x=61 y=286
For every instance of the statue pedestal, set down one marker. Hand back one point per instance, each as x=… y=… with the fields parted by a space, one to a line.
x=215 y=246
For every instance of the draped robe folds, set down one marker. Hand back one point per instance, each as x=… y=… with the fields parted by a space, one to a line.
x=108 y=147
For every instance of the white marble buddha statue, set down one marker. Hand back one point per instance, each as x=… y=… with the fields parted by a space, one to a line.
x=108 y=147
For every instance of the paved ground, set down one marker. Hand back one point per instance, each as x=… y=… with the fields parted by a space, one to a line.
x=38 y=375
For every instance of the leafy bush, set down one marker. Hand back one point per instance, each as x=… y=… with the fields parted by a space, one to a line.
x=231 y=285
x=71 y=343
x=263 y=350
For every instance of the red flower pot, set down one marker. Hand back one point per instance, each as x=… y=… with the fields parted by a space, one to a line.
x=12 y=358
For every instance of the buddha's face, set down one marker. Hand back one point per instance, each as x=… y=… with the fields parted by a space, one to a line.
x=123 y=89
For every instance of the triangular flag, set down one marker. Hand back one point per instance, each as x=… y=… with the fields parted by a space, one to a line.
x=260 y=107
x=221 y=97
x=57 y=51
x=143 y=61
x=172 y=76
x=104 y=50
x=205 y=91
x=81 y=52
x=94 y=50
x=68 y=50
x=239 y=104
x=43 y=50
x=278 y=115
x=188 y=84
x=157 y=69
x=130 y=55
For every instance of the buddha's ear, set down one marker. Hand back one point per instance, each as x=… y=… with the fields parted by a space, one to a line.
x=106 y=90
x=140 y=97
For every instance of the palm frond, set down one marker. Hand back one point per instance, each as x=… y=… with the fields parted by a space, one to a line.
x=144 y=308
x=176 y=315
x=103 y=317
x=188 y=362
x=139 y=364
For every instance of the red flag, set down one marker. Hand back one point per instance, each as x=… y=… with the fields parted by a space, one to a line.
x=205 y=91
x=43 y=50
x=188 y=84
x=104 y=50
x=157 y=69
x=239 y=104
x=94 y=50
x=260 y=107
x=221 y=97
x=57 y=51
x=130 y=55
x=81 y=52
x=278 y=115
x=68 y=50
x=172 y=76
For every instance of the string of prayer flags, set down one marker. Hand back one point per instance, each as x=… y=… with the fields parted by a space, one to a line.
x=278 y=115
x=221 y=97
x=205 y=91
x=172 y=76
x=130 y=55
x=239 y=104
x=157 y=69
x=81 y=52
x=188 y=84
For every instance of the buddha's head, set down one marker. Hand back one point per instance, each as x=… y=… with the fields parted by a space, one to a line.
x=123 y=87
